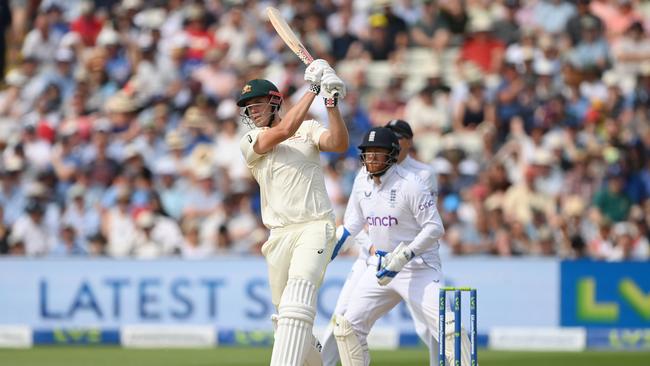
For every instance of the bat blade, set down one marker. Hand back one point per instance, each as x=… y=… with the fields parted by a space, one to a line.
x=288 y=36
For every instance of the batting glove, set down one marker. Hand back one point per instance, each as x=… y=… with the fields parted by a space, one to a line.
x=343 y=241
x=390 y=264
x=332 y=87
x=314 y=72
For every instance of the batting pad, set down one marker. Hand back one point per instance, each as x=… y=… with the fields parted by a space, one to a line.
x=313 y=351
x=350 y=350
x=465 y=344
x=297 y=310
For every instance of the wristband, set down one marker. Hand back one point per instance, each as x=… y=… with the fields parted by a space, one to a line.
x=331 y=102
x=314 y=88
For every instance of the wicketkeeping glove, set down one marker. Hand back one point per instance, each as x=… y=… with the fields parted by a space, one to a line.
x=390 y=264
x=343 y=241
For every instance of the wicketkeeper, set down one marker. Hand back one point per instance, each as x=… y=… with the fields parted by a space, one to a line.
x=330 y=351
x=404 y=227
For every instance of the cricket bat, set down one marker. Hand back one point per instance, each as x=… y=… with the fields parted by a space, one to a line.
x=287 y=35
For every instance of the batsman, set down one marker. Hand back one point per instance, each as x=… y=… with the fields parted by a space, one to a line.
x=282 y=154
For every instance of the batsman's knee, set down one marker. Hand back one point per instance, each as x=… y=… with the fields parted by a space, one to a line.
x=298 y=301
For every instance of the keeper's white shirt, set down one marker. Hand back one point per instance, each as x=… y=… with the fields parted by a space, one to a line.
x=290 y=176
x=422 y=170
x=402 y=208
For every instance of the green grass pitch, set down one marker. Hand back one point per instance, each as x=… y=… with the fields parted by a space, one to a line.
x=227 y=356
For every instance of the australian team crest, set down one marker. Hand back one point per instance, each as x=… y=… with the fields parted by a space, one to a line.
x=247 y=88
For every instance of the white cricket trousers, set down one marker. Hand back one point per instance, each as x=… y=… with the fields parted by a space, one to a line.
x=418 y=287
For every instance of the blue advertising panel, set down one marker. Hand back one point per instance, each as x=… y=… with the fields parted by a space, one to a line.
x=232 y=294
x=599 y=294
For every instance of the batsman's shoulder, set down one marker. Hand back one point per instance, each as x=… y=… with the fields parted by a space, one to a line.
x=249 y=139
x=251 y=136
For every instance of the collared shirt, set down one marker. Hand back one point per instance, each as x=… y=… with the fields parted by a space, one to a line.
x=422 y=170
x=428 y=176
x=290 y=176
x=401 y=208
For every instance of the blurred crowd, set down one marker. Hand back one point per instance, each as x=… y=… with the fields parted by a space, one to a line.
x=119 y=132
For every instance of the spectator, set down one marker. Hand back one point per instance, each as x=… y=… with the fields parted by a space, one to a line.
x=39 y=43
x=12 y=105
x=379 y=47
x=83 y=218
x=203 y=198
x=521 y=199
x=192 y=247
x=12 y=192
x=592 y=50
x=196 y=32
x=30 y=231
x=88 y=24
x=165 y=230
x=217 y=79
x=68 y=244
x=552 y=15
x=145 y=245
x=507 y=30
x=631 y=50
x=428 y=31
x=344 y=38
x=482 y=48
x=618 y=16
x=575 y=24
x=610 y=200
x=453 y=19
x=118 y=226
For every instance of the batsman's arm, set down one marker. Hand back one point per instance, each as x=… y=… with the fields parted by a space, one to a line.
x=335 y=139
x=287 y=127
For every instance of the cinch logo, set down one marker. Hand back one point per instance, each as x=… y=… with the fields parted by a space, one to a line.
x=381 y=221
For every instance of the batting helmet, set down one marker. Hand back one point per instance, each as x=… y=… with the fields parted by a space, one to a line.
x=384 y=138
x=259 y=88
x=401 y=128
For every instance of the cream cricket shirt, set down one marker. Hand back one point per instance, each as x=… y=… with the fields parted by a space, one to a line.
x=290 y=177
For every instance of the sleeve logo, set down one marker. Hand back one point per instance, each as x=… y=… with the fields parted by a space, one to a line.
x=427 y=204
